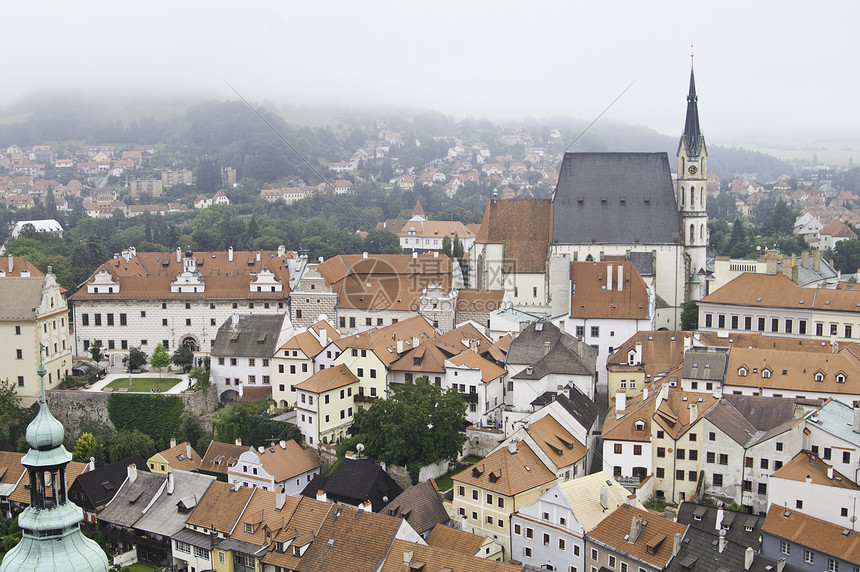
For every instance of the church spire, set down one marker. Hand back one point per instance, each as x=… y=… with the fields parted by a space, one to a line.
x=692 y=131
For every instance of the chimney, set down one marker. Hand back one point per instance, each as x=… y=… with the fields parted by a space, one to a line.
x=609 y=277
x=415 y=342
x=414 y=254
x=172 y=442
x=283 y=444
x=321 y=496
x=546 y=346
x=366 y=505
x=399 y=346
x=722 y=545
x=132 y=472
x=856 y=417
x=644 y=394
x=771 y=262
x=170 y=483
x=718 y=524
x=795 y=271
x=620 y=277
x=816 y=261
x=676 y=543
x=188 y=450
x=512 y=447
x=11 y=263
x=364 y=255
x=230 y=254
x=435 y=254
x=604 y=497
x=638 y=353
x=280 y=499
x=748 y=557
x=780 y=564
x=239 y=442
x=830 y=472
x=804 y=259
x=92 y=464
x=620 y=401
x=258 y=255
x=808 y=479
x=635 y=529
x=178 y=254
x=282 y=250
x=694 y=412
x=407 y=558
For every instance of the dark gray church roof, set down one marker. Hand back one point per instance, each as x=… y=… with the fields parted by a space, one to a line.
x=615 y=198
x=248 y=336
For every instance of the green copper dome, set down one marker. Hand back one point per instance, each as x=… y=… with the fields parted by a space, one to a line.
x=51 y=537
x=45 y=432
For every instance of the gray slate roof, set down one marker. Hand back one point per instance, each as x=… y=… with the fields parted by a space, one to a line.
x=127 y=505
x=163 y=517
x=252 y=336
x=699 y=551
x=708 y=364
x=420 y=505
x=566 y=355
x=19 y=297
x=615 y=198
x=355 y=481
x=734 y=523
x=750 y=419
x=583 y=409
x=837 y=419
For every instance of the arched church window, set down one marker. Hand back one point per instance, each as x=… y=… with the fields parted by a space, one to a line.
x=692 y=196
x=692 y=233
x=683 y=190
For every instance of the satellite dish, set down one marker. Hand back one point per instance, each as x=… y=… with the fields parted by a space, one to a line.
x=359 y=447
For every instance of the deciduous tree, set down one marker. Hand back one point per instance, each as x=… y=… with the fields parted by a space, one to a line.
x=418 y=423
x=159 y=358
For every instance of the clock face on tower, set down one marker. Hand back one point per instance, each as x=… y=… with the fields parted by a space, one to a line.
x=693 y=170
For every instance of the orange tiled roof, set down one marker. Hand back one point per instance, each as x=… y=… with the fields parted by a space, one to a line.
x=506 y=473
x=594 y=296
x=148 y=275
x=814 y=533
x=328 y=379
x=219 y=507
x=524 y=226
x=654 y=544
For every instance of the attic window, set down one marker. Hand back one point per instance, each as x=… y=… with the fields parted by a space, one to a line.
x=639 y=425
x=742 y=371
x=249 y=529
x=765 y=373
x=476 y=472
x=840 y=378
x=819 y=376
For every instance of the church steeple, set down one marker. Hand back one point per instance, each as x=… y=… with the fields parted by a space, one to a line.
x=51 y=538
x=692 y=132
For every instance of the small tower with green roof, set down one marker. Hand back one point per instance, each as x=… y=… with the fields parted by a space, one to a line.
x=51 y=533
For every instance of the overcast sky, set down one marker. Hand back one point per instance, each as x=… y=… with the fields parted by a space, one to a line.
x=786 y=67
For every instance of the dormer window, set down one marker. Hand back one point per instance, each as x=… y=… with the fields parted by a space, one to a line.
x=249 y=529
x=819 y=376
x=631 y=358
x=639 y=425
x=742 y=371
x=840 y=378
x=765 y=373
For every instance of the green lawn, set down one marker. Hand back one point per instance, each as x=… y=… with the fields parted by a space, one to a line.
x=142 y=384
x=140 y=568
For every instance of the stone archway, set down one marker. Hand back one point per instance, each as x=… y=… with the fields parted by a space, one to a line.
x=190 y=342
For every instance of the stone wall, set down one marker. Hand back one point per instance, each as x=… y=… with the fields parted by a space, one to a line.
x=480 y=441
x=74 y=408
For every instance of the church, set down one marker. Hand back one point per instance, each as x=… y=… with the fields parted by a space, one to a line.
x=610 y=207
